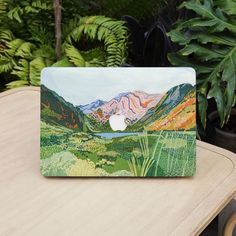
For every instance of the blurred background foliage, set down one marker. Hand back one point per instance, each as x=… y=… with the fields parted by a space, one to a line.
x=197 y=33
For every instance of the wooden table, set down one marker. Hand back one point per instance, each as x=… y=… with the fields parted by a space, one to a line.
x=31 y=204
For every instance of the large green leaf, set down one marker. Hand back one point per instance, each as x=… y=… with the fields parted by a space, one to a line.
x=228 y=6
x=202 y=107
x=229 y=76
x=209 y=45
x=178 y=59
x=210 y=17
x=202 y=37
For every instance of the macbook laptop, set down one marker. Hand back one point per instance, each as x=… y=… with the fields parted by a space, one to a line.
x=124 y=122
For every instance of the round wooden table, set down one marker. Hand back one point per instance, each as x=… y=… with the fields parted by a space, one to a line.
x=31 y=204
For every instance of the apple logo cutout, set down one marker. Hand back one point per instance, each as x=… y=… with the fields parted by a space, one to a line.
x=117 y=122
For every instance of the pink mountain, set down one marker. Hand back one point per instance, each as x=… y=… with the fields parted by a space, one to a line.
x=133 y=105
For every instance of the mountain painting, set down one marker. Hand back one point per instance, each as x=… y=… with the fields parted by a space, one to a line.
x=160 y=116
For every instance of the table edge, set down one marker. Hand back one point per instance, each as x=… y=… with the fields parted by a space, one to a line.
x=227 y=154
x=17 y=90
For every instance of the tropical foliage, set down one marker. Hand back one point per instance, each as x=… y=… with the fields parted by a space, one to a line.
x=111 y=33
x=27 y=40
x=83 y=35
x=204 y=38
x=208 y=42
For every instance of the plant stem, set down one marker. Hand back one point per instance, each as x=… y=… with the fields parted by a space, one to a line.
x=57 y=15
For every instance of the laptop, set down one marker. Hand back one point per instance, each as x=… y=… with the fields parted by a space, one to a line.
x=123 y=122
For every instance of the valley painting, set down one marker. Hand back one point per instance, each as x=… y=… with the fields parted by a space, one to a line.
x=159 y=111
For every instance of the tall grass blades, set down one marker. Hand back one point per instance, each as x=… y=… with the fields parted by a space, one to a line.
x=172 y=153
x=140 y=165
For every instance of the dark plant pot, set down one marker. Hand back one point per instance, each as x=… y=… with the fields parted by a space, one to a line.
x=224 y=137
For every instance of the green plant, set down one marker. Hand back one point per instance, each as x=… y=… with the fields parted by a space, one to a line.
x=27 y=40
x=111 y=33
x=140 y=165
x=208 y=43
x=164 y=153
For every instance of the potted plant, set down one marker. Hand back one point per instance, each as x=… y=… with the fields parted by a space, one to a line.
x=208 y=43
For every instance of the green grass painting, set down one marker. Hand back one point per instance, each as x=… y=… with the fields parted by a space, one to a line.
x=66 y=152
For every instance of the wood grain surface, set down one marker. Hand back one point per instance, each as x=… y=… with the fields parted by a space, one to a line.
x=31 y=204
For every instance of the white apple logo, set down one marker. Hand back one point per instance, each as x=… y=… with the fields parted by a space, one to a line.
x=117 y=122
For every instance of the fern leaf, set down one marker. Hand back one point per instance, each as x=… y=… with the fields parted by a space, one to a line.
x=5 y=35
x=94 y=57
x=25 y=50
x=15 y=14
x=63 y=63
x=74 y=56
x=28 y=72
x=6 y=64
x=17 y=83
x=3 y=7
x=112 y=33
x=13 y=46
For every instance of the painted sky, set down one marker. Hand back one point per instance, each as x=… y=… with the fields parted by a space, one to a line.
x=81 y=86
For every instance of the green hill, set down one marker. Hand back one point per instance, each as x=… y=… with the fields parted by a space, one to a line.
x=55 y=110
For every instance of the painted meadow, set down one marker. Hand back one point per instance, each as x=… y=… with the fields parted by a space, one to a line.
x=68 y=153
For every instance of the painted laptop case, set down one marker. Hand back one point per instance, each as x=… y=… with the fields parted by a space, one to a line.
x=130 y=122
